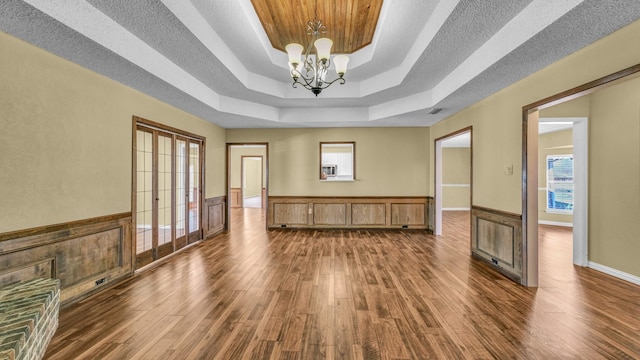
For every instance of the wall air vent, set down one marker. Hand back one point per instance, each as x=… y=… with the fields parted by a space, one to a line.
x=435 y=111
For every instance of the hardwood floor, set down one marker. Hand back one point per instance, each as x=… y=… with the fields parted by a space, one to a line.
x=289 y=294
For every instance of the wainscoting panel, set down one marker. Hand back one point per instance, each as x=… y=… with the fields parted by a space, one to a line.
x=214 y=216
x=408 y=214
x=368 y=214
x=497 y=239
x=330 y=214
x=236 y=198
x=431 y=214
x=347 y=212
x=84 y=255
x=289 y=213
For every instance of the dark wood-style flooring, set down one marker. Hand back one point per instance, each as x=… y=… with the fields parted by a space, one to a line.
x=288 y=294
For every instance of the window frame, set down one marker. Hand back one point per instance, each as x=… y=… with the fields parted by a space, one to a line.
x=353 y=162
x=551 y=210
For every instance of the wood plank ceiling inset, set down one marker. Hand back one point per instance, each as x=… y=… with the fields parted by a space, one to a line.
x=350 y=23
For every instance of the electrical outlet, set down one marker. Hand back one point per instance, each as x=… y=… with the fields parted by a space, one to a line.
x=508 y=170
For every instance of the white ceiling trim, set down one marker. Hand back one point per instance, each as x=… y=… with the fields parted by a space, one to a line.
x=277 y=58
x=326 y=115
x=401 y=106
x=247 y=108
x=530 y=21
x=191 y=18
x=92 y=23
x=394 y=77
x=82 y=17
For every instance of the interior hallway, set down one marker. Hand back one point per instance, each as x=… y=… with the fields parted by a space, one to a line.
x=290 y=294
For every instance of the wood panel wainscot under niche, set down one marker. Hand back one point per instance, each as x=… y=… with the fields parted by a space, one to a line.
x=497 y=239
x=84 y=255
x=348 y=212
x=214 y=217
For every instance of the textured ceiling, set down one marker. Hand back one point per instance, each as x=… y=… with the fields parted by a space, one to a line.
x=214 y=59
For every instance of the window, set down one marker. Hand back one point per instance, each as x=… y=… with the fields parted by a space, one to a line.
x=337 y=161
x=560 y=183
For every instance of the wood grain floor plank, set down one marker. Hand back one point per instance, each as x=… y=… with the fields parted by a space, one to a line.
x=362 y=294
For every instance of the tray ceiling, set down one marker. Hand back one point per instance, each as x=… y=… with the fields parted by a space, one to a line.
x=350 y=23
x=215 y=60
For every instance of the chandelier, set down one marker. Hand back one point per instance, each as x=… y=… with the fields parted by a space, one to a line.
x=311 y=73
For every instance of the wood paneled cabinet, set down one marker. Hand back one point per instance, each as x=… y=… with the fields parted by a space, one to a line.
x=360 y=212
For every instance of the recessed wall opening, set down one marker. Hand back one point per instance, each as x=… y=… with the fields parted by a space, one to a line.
x=453 y=176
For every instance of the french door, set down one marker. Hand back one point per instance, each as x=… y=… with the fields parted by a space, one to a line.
x=168 y=193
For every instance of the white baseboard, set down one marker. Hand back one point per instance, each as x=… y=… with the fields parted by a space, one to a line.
x=456 y=209
x=555 y=223
x=615 y=273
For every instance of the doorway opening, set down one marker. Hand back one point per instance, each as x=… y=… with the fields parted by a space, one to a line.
x=453 y=175
x=562 y=179
x=247 y=179
x=252 y=189
x=530 y=215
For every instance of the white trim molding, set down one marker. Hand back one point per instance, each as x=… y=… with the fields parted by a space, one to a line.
x=615 y=273
x=456 y=209
x=555 y=223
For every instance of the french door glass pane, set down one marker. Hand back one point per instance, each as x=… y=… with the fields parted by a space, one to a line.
x=164 y=190
x=181 y=189
x=144 y=202
x=194 y=186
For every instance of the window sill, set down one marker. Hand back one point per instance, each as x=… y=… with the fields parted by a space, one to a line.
x=559 y=212
x=337 y=180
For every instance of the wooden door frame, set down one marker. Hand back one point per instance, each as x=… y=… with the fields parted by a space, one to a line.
x=175 y=133
x=437 y=230
x=228 y=181
x=199 y=233
x=530 y=163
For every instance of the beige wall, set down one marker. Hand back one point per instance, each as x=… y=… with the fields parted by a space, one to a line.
x=389 y=161
x=456 y=176
x=614 y=177
x=236 y=155
x=497 y=120
x=253 y=182
x=66 y=135
x=497 y=142
x=575 y=108
x=555 y=143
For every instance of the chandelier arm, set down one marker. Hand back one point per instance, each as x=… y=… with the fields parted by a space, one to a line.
x=307 y=82
x=326 y=84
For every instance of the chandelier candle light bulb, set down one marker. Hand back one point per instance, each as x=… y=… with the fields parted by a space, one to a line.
x=311 y=72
